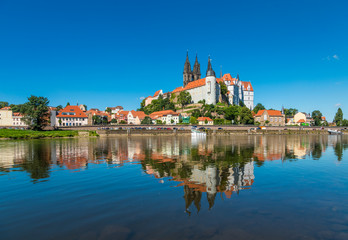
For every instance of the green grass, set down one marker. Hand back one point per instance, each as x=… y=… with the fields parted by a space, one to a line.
x=30 y=134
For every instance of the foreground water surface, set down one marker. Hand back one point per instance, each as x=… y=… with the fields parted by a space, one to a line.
x=240 y=187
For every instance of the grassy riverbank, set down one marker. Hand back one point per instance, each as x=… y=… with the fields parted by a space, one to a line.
x=29 y=134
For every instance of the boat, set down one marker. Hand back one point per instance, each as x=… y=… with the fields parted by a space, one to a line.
x=334 y=132
x=196 y=132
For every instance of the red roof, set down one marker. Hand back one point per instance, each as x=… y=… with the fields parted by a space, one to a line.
x=193 y=84
x=139 y=114
x=6 y=108
x=157 y=93
x=301 y=121
x=163 y=113
x=78 y=113
x=204 y=118
x=17 y=115
x=269 y=112
x=246 y=85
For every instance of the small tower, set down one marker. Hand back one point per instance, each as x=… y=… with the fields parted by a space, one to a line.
x=210 y=84
x=187 y=75
x=196 y=70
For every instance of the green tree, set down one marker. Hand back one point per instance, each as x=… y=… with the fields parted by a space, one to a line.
x=223 y=88
x=246 y=116
x=345 y=122
x=67 y=104
x=338 y=117
x=193 y=120
x=316 y=115
x=36 y=113
x=232 y=113
x=158 y=121
x=85 y=106
x=290 y=112
x=184 y=98
x=196 y=113
x=108 y=110
x=3 y=104
x=123 y=122
x=146 y=120
x=59 y=107
x=114 y=120
x=258 y=107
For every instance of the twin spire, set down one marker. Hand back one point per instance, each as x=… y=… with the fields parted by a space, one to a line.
x=194 y=75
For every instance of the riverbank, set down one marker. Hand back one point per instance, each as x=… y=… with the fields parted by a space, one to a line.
x=30 y=134
x=139 y=132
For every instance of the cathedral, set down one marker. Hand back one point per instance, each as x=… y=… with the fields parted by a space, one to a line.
x=208 y=88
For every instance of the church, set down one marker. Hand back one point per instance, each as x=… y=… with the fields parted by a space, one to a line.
x=208 y=88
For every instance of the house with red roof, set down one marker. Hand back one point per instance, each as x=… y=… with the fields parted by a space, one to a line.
x=270 y=118
x=149 y=99
x=166 y=117
x=135 y=117
x=71 y=116
x=205 y=121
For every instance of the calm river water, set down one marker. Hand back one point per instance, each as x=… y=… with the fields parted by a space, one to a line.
x=241 y=187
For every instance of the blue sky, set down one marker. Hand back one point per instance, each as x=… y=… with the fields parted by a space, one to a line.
x=109 y=53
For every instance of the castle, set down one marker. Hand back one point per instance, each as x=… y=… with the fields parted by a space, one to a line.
x=208 y=88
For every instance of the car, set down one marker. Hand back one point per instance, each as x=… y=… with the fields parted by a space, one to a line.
x=182 y=128
x=208 y=128
x=201 y=128
x=219 y=128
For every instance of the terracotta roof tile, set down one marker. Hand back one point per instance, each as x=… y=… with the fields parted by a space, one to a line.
x=72 y=109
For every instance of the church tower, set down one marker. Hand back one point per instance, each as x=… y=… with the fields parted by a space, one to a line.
x=211 y=87
x=196 y=70
x=187 y=75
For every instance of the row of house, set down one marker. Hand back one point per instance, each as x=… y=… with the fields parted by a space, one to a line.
x=8 y=118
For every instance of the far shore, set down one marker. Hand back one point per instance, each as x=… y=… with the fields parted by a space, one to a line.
x=11 y=134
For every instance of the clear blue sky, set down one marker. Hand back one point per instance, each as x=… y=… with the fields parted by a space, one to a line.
x=109 y=53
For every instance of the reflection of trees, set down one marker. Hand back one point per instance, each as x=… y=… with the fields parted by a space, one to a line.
x=37 y=160
x=317 y=151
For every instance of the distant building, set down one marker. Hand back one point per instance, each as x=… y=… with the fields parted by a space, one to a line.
x=8 y=118
x=149 y=99
x=270 y=118
x=239 y=91
x=205 y=121
x=71 y=116
x=135 y=117
x=167 y=117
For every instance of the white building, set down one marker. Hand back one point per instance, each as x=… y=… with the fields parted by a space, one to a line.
x=239 y=91
x=71 y=116
x=168 y=117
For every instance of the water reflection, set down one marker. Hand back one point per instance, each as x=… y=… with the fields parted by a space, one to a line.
x=201 y=165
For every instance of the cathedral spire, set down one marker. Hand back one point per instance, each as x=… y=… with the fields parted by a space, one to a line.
x=187 y=74
x=210 y=71
x=196 y=70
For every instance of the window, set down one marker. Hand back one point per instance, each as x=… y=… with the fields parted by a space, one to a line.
x=276 y=119
x=271 y=119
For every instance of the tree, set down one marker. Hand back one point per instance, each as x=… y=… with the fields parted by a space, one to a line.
x=123 y=122
x=245 y=116
x=172 y=121
x=205 y=121
x=108 y=110
x=258 y=107
x=85 y=106
x=67 y=104
x=193 y=120
x=184 y=98
x=345 y=122
x=3 y=104
x=36 y=114
x=338 y=117
x=223 y=88
x=232 y=113
x=316 y=115
x=290 y=112
x=158 y=121
x=59 y=107
x=196 y=113
x=114 y=120
x=146 y=120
